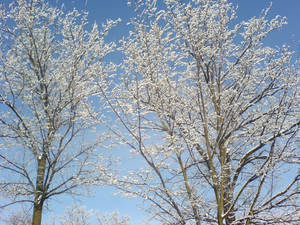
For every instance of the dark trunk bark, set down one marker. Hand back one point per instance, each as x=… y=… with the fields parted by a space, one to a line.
x=39 y=192
x=37 y=213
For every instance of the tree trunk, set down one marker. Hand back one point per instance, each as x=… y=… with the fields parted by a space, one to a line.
x=39 y=192
x=37 y=213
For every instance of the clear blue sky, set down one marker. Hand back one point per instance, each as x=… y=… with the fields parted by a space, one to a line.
x=100 y=10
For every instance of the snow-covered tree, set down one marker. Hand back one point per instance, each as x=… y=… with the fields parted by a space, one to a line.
x=17 y=217
x=80 y=215
x=113 y=218
x=48 y=63
x=213 y=112
x=76 y=215
x=73 y=215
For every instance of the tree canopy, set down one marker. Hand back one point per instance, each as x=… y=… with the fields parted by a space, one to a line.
x=208 y=109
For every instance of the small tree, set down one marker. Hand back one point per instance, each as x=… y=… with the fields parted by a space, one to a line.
x=17 y=217
x=73 y=215
x=76 y=215
x=79 y=215
x=48 y=61
x=113 y=218
x=214 y=114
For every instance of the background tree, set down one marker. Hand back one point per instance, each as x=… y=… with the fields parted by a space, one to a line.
x=48 y=60
x=113 y=218
x=73 y=215
x=17 y=217
x=76 y=215
x=79 y=215
x=214 y=114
